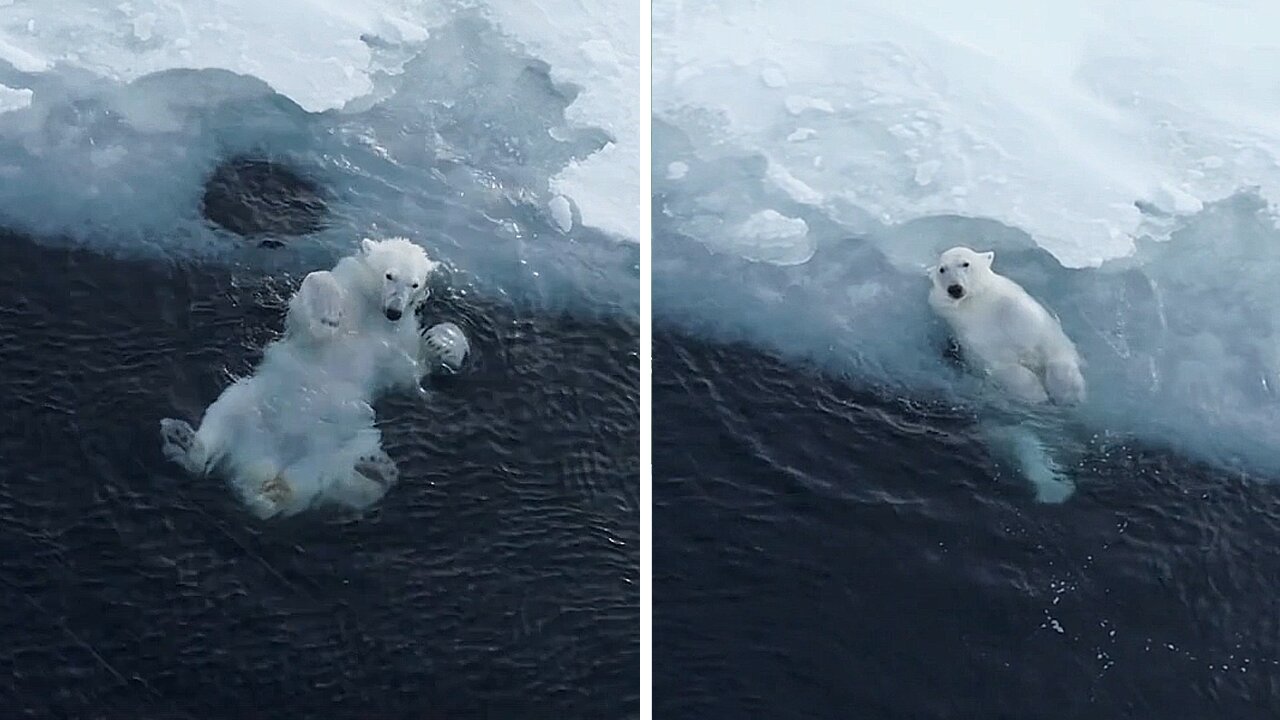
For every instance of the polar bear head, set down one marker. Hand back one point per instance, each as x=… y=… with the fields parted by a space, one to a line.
x=962 y=273
x=399 y=270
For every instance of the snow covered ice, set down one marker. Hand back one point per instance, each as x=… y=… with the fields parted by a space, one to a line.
x=113 y=115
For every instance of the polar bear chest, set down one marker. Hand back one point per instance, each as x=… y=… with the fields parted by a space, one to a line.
x=999 y=330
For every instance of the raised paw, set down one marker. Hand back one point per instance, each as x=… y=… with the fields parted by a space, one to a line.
x=317 y=307
x=445 y=347
x=378 y=467
x=177 y=435
x=328 y=312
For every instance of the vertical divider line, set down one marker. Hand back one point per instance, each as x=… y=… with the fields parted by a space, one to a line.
x=646 y=340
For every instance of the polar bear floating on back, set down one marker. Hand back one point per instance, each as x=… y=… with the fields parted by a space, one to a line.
x=299 y=431
x=1004 y=331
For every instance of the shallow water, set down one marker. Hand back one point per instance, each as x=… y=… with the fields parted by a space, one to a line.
x=497 y=579
x=825 y=550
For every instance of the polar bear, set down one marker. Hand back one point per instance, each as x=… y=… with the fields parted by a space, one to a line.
x=300 y=430
x=1004 y=331
x=1014 y=340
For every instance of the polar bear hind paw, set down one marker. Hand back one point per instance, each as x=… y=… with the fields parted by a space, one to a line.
x=179 y=443
x=1050 y=483
x=378 y=467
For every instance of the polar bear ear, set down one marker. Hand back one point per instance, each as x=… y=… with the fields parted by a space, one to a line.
x=367 y=245
x=988 y=257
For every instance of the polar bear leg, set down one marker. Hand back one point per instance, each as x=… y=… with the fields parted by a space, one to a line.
x=1064 y=381
x=1024 y=449
x=179 y=443
x=1038 y=466
x=1019 y=380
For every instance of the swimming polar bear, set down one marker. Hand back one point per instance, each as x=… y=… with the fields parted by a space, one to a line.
x=1003 y=330
x=1010 y=337
x=300 y=430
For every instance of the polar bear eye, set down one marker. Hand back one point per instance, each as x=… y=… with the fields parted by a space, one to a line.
x=390 y=276
x=415 y=286
x=942 y=271
x=965 y=265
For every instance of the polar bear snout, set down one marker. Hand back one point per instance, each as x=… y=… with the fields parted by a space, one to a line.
x=955 y=290
x=401 y=292
x=397 y=298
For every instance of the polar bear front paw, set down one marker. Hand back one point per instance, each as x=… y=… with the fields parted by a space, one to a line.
x=445 y=347
x=1065 y=382
x=327 y=312
x=179 y=444
x=331 y=322
x=318 y=306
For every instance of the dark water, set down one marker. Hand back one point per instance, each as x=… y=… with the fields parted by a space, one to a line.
x=822 y=552
x=256 y=197
x=497 y=579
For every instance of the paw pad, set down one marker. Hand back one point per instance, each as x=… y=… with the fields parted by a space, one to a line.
x=378 y=468
x=177 y=436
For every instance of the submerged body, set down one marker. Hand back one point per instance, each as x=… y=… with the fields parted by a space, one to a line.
x=300 y=430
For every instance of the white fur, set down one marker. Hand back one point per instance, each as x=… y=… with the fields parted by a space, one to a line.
x=299 y=431
x=1004 y=331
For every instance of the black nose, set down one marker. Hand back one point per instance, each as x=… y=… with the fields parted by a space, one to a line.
x=393 y=314
x=954 y=291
